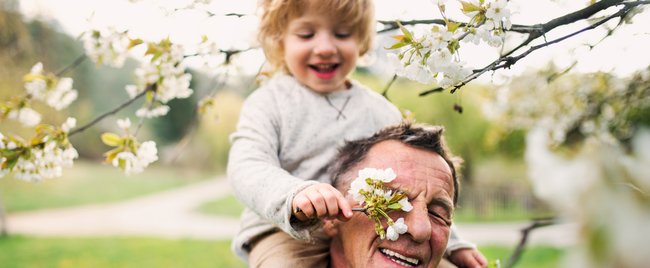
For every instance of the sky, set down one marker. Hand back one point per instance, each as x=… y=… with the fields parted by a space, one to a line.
x=154 y=20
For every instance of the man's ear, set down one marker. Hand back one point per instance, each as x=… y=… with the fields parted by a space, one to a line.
x=330 y=227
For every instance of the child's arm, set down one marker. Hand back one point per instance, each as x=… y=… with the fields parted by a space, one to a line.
x=254 y=169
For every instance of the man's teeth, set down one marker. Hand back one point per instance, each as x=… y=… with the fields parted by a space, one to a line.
x=399 y=258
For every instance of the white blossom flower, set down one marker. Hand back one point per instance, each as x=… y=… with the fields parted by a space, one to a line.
x=45 y=163
x=406 y=205
x=26 y=116
x=151 y=113
x=62 y=95
x=397 y=228
x=135 y=163
x=497 y=10
x=124 y=124
x=69 y=124
x=128 y=162
x=147 y=153
x=107 y=46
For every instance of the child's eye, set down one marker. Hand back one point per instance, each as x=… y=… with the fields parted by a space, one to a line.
x=342 y=35
x=305 y=35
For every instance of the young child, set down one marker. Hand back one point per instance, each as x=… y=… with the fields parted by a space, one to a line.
x=290 y=128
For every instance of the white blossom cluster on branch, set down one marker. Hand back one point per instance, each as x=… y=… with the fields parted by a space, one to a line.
x=587 y=156
x=129 y=154
x=433 y=56
x=47 y=88
x=107 y=46
x=43 y=157
x=369 y=190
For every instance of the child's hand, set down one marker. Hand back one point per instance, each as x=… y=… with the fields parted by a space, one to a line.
x=320 y=201
x=468 y=257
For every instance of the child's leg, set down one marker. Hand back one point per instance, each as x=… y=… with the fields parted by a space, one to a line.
x=281 y=250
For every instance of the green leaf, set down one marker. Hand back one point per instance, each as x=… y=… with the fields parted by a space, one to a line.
x=452 y=26
x=395 y=206
x=406 y=32
x=135 y=42
x=469 y=7
x=110 y=155
x=152 y=49
x=111 y=139
x=397 y=45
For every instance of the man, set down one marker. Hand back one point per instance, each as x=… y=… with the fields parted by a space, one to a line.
x=426 y=171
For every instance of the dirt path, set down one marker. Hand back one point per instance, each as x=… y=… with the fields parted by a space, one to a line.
x=168 y=214
x=171 y=215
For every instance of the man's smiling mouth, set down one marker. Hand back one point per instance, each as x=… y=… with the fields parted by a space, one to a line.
x=399 y=258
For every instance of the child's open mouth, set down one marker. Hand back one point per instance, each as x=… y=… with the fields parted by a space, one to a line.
x=325 y=70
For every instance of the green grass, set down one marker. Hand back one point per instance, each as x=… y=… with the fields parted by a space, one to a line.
x=87 y=183
x=532 y=257
x=21 y=251
x=27 y=252
x=225 y=206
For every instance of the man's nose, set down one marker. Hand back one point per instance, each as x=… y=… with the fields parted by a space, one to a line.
x=325 y=46
x=418 y=222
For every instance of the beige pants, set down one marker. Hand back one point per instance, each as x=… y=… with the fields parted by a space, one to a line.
x=278 y=249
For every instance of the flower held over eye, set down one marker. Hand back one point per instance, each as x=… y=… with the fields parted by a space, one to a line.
x=369 y=190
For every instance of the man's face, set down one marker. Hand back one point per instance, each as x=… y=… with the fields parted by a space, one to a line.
x=427 y=179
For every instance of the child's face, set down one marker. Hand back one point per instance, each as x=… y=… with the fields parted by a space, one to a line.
x=319 y=52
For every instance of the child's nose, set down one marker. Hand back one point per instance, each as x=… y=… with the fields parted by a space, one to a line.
x=325 y=46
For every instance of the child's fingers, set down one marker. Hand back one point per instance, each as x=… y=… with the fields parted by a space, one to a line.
x=302 y=207
x=344 y=206
x=318 y=202
x=331 y=202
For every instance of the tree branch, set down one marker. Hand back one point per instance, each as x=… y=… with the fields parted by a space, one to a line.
x=72 y=65
x=538 y=223
x=506 y=61
x=111 y=112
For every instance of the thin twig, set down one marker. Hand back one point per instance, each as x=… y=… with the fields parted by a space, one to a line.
x=387 y=87
x=537 y=223
x=111 y=112
x=72 y=65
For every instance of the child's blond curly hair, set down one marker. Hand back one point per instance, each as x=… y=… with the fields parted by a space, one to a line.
x=276 y=15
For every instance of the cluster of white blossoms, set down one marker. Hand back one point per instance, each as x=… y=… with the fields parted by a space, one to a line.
x=128 y=154
x=432 y=56
x=107 y=46
x=55 y=92
x=368 y=189
x=163 y=76
x=587 y=156
x=38 y=160
x=570 y=107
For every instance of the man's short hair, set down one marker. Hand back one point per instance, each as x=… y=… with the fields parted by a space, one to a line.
x=425 y=137
x=276 y=15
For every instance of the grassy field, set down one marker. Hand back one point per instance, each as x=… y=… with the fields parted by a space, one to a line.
x=225 y=206
x=147 y=252
x=27 y=252
x=87 y=183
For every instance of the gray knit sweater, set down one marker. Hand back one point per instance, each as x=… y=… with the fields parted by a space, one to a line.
x=286 y=137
